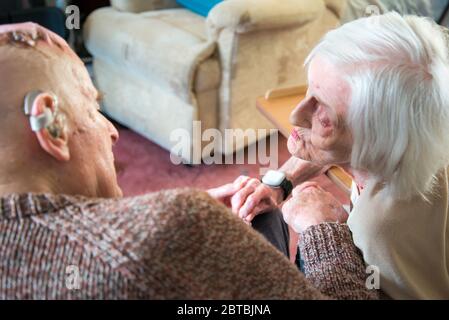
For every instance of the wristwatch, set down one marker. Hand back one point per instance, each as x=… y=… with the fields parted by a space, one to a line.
x=278 y=179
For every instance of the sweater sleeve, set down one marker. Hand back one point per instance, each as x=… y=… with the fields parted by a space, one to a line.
x=332 y=262
x=183 y=244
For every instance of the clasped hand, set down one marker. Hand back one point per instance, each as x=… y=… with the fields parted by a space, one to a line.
x=309 y=204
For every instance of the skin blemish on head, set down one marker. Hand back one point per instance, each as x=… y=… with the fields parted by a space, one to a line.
x=30 y=35
x=23 y=38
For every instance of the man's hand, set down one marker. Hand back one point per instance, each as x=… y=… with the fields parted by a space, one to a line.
x=310 y=205
x=247 y=197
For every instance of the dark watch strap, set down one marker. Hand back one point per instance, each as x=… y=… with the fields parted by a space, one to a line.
x=286 y=187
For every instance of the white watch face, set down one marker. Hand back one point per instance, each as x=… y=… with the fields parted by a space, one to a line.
x=273 y=178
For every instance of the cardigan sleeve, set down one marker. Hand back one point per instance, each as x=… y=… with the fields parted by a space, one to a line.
x=333 y=264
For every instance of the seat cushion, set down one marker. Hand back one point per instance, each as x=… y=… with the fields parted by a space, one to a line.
x=152 y=46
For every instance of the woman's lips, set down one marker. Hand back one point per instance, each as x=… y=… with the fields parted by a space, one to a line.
x=297 y=138
x=295 y=135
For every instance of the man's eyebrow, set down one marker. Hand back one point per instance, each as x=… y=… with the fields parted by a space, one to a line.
x=99 y=96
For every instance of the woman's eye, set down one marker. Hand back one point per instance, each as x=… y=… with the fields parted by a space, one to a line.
x=325 y=123
x=323 y=118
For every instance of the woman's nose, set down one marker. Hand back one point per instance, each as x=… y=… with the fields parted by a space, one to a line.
x=301 y=116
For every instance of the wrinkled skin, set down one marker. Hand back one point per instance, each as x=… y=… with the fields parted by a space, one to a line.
x=79 y=161
x=320 y=133
x=311 y=205
x=322 y=138
x=246 y=197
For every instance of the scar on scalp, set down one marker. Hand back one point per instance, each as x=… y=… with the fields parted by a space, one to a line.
x=25 y=40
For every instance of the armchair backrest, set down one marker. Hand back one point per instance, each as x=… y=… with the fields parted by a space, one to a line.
x=137 y=6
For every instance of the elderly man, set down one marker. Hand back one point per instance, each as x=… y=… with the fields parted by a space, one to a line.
x=377 y=105
x=66 y=233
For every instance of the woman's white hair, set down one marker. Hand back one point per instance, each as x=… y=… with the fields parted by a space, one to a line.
x=397 y=67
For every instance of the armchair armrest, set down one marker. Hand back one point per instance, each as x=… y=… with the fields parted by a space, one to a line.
x=137 y=6
x=336 y=6
x=250 y=15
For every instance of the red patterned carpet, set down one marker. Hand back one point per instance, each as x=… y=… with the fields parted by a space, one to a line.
x=144 y=167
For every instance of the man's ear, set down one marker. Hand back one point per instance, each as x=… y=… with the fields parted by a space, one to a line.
x=53 y=139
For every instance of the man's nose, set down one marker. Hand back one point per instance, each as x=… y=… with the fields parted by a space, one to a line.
x=113 y=132
x=301 y=116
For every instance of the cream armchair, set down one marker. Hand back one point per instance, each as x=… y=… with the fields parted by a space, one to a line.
x=163 y=67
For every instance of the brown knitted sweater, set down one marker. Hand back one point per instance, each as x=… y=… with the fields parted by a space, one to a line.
x=166 y=245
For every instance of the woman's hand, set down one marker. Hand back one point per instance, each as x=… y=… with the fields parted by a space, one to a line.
x=247 y=197
x=310 y=205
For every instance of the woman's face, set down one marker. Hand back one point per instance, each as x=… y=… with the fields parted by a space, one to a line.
x=320 y=133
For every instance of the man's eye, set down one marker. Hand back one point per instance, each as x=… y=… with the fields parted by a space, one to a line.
x=100 y=97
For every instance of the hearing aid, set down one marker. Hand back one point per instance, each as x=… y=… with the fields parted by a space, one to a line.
x=46 y=119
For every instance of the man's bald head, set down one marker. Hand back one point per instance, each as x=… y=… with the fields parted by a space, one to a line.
x=33 y=58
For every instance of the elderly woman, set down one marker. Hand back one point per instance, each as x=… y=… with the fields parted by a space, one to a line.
x=377 y=105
